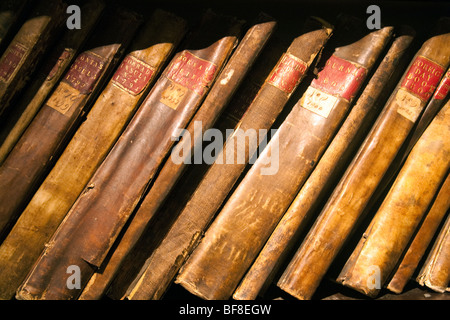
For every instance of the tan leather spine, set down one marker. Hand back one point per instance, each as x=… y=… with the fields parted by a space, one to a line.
x=403 y=208
x=350 y=197
x=11 y=12
x=326 y=173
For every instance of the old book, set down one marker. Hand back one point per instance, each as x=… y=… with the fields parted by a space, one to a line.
x=217 y=99
x=249 y=216
x=89 y=230
x=416 y=250
x=391 y=229
x=327 y=171
x=27 y=164
x=90 y=144
x=189 y=226
x=27 y=47
x=10 y=15
x=46 y=78
x=354 y=190
x=435 y=272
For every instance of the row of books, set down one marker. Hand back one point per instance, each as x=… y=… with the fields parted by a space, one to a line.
x=352 y=185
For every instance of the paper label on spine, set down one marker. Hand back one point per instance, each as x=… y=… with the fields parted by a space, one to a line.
x=173 y=95
x=64 y=98
x=340 y=77
x=84 y=72
x=318 y=102
x=192 y=72
x=10 y=60
x=133 y=75
x=288 y=72
x=442 y=91
x=422 y=78
x=408 y=105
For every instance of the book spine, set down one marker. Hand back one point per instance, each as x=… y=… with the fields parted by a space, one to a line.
x=47 y=77
x=325 y=174
x=89 y=230
x=217 y=99
x=435 y=271
x=422 y=239
x=56 y=122
x=108 y=116
x=262 y=197
x=221 y=176
x=400 y=213
x=10 y=15
x=27 y=47
x=350 y=197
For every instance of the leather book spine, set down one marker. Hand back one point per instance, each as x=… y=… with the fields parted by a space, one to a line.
x=89 y=230
x=249 y=216
x=47 y=77
x=401 y=211
x=416 y=250
x=27 y=48
x=11 y=12
x=56 y=122
x=207 y=115
x=327 y=171
x=349 y=199
x=90 y=144
x=435 y=271
x=221 y=176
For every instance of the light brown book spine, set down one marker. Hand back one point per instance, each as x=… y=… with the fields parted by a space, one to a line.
x=435 y=272
x=94 y=222
x=56 y=122
x=11 y=12
x=416 y=250
x=220 y=178
x=46 y=78
x=391 y=229
x=217 y=99
x=353 y=192
x=250 y=215
x=105 y=121
x=26 y=49
x=325 y=174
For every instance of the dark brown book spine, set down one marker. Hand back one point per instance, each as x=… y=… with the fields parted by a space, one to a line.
x=353 y=192
x=97 y=217
x=249 y=216
x=416 y=250
x=10 y=13
x=27 y=164
x=91 y=143
x=217 y=99
x=221 y=176
x=28 y=46
x=46 y=78
x=326 y=173
x=391 y=229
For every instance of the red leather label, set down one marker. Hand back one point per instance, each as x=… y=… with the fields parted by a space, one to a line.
x=422 y=78
x=340 y=77
x=442 y=91
x=288 y=73
x=133 y=75
x=84 y=72
x=11 y=60
x=192 y=72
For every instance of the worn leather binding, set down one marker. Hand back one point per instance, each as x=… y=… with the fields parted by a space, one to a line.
x=219 y=179
x=435 y=271
x=217 y=99
x=249 y=216
x=416 y=250
x=403 y=208
x=47 y=77
x=349 y=199
x=56 y=122
x=27 y=47
x=11 y=12
x=107 y=118
x=89 y=230
x=327 y=171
